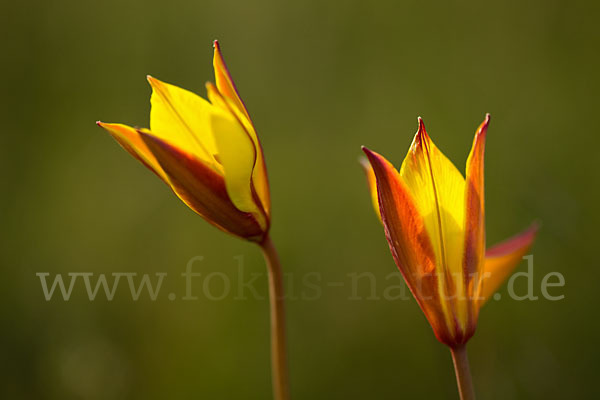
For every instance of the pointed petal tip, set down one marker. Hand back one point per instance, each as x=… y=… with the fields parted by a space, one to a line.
x=529 y=234
x=420 y=135
x=152 y=80
x=217 y=50
x=421 y=129
x=482 y=130
x=373 y=157
x=422 y=125
x=521 y=240
x=106 y=125
x=367 y=151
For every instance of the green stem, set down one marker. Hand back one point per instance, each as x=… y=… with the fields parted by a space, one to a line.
x=279 y=370
x=463 y=373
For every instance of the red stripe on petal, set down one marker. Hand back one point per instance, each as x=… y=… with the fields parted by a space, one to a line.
x=474 y=250
x=202 y=189
x=409 y=242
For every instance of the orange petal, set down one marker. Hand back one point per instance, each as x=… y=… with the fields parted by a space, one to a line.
x=131 y=141
x=202 y=189
x=409 y=243
x=372 y=183
x=501 y=259
x=475 y=213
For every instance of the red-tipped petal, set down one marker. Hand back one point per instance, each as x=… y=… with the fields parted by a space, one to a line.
x=224 y=81
x=409 y=242
x=131 y=141
x=475 y=212
x=502 y=258
x=202 y=189
x=226 y=88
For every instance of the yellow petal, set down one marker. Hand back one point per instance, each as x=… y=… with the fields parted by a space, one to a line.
x=475 y=213
x=261 y=180
x=501 y=259
x=183 y=119
x=372 y=183
x=224 y=81
x=226 y=87
x=237 y=155
x=131 y=141
x=438 y=190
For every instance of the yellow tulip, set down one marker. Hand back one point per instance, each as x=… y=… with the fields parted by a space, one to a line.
x=435 y=226
x=207 y=152
x=434 y=223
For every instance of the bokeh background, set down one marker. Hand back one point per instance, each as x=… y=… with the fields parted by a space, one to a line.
x=319 y=79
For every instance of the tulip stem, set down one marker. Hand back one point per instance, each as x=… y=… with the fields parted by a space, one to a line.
x=279 y=372
x=463 y=373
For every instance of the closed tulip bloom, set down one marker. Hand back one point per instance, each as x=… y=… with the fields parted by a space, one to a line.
x=207 y=152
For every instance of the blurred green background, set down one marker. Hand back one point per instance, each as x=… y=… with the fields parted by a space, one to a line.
x=319 y=79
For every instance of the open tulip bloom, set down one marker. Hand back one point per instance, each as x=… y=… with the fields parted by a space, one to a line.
x=208 y=153
x=435 y=226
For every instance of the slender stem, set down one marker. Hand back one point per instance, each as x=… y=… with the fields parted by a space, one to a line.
x=279 y=371
x=463 y=373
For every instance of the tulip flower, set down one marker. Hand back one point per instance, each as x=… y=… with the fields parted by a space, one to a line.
x=434 y=222
x=209 y=154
